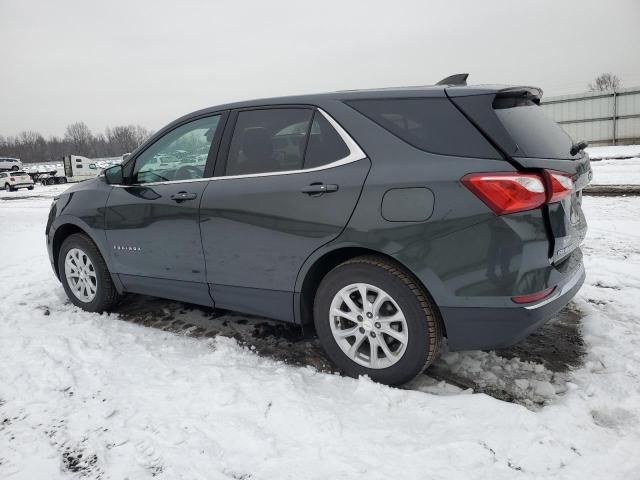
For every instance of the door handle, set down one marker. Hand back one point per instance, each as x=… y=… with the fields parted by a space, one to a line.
x=182 y=196
x=319 y=188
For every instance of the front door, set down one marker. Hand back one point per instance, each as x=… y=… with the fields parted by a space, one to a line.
x=288 y=185
x=151 y=222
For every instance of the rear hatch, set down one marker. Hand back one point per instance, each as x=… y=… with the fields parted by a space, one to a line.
x=21 y=177
x=512 y=120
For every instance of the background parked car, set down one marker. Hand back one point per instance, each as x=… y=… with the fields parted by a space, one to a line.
x=13 y=180
x=10 y=164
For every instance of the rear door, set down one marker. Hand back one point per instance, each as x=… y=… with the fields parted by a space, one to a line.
x=286 y=185
x=152 y=222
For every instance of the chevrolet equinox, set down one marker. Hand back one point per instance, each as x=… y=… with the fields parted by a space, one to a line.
x=389 y=219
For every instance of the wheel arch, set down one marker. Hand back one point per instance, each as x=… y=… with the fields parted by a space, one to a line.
x=70 y=226
x=316 y=268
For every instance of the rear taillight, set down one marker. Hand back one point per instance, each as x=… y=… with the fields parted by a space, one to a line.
x=507 y=192
x=560 y=185
x=510 y=192
x=12 y=179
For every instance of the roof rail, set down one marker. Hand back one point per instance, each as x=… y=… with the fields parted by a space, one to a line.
x=457 y=79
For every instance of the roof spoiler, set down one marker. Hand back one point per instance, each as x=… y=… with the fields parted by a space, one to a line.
x=457 y=79
x=532 y=93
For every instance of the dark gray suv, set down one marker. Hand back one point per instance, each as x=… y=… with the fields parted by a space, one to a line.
x=389 y=219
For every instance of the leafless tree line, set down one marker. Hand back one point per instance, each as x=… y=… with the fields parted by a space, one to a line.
x=607 y=82
x=30 y=146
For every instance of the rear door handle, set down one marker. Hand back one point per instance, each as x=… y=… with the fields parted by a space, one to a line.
x=319 y=188
x=182 y=196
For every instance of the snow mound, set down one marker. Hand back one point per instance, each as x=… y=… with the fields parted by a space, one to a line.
x=613 y=151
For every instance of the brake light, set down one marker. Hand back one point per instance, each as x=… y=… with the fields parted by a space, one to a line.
x=12 y=179
x=510 y=192
x=560 y=185
x=533 y=297
x=507 y=192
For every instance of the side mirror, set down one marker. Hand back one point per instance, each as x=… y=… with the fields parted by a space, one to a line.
x=125 y=156
x=113 y=175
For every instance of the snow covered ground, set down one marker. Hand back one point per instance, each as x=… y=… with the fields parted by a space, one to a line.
x=94 y=396
x=615 y=165
x=613 y=151
x=616 y=172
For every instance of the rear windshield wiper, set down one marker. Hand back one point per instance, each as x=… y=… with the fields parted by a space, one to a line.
x=578 y=147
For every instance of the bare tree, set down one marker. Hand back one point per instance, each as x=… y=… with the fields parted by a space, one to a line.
x=126 y=138
x=80 y=138
x=30 y=146
x=607 y=82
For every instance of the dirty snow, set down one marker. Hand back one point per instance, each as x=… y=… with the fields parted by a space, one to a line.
x=92 y=396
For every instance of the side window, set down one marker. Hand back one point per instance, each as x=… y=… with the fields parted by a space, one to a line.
x=269 y=140
x=325 y=144
x=430 y=124
x=179 y=155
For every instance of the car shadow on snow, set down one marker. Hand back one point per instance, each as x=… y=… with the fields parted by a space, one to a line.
x=532 y=372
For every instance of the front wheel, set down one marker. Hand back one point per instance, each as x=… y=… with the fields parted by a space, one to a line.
x=84 y=275
x=374 y=318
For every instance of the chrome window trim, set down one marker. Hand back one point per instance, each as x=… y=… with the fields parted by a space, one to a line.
x=355 y=154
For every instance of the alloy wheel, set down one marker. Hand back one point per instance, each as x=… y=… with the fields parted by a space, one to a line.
x=368 y=325
x=81 y=275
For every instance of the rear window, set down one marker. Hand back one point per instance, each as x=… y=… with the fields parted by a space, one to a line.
x=430 y=124
x=535 y=134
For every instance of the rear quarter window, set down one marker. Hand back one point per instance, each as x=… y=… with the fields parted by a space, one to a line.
x=430 y=124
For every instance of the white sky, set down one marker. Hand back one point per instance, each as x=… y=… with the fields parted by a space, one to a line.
x=147 y=62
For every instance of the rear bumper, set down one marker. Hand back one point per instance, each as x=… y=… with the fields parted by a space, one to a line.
x=471 y=328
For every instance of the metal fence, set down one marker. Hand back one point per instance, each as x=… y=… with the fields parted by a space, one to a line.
x=600 y=118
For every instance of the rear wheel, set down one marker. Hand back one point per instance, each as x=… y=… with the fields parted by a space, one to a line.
x=8 y=188
x=84 y=275
x=62 y=180
x=374 y=318
x=30 y=188
x=15 y=167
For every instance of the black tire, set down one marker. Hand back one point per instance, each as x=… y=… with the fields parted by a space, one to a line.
x=30 y=188
x=421 y=314
x=15 y=168
x=62 y=180
x=8 y=188
x=106 y=294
